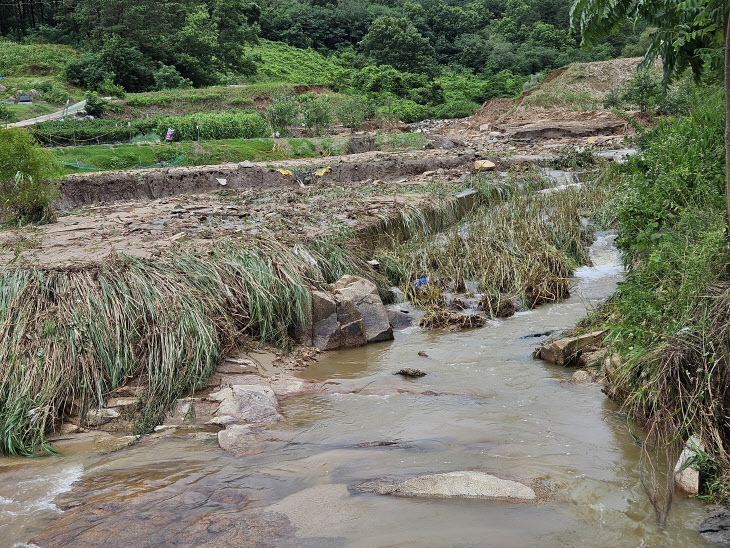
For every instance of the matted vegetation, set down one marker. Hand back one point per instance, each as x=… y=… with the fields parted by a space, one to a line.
x=69 y=337
x=517 y=244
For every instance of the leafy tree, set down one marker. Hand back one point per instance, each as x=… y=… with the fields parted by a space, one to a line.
x=282 y=113
x=26 y=193
x=396 y=42
x=316 y=110
x=168 y=77
x=95 y=105
x=691 y=34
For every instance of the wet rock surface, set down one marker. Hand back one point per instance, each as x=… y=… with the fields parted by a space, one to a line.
x=716 y=526
x=567 y=351
x=460 y=485
x=157 y=508
x=248 y=403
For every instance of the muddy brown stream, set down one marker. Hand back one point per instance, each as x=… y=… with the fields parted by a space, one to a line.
x=501 y=412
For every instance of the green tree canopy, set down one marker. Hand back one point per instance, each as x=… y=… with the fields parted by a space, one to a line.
x=395 y=41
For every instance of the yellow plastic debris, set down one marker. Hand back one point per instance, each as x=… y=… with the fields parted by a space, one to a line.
x=284 y=172
x=323 y=171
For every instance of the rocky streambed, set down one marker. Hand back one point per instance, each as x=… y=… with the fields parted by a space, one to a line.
x=490 y=447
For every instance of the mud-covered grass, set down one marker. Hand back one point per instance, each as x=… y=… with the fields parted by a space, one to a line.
x=516 y=244
x=69 y=337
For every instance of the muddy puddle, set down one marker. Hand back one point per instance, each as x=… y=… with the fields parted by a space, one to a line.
x=491 y=408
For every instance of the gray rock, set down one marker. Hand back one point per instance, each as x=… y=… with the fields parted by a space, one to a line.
x=98 y=417
x=323 y=305
x=246 y=164
x=326 y=333
x=352 y=325
x=716 y=526
x=241 y=440
x=399 y=319
x=686 y=478
x=34 y=94
x=353 y=334
x=397 y=295
x=246 y=403
x=462 y=485
x=364 y=294
x=2 y=88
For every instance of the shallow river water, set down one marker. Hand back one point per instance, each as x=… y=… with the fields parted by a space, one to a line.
x=500 y=412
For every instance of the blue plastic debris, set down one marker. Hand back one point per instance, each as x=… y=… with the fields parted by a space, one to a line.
x=420 y=282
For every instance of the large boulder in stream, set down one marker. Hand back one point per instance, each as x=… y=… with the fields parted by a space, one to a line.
x=567 y=351
x=352 y=315
x=364 y=295
x=459 y=485
x=326 y=334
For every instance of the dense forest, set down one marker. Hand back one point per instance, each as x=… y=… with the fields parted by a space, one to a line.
x=150 y=44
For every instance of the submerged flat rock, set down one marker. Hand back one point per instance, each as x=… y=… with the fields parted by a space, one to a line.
x=461 y=485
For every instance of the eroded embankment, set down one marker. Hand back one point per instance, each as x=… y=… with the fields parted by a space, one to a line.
x=116 y=186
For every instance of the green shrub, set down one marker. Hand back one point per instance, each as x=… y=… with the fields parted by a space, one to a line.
x=672 y=219
x=409 y=111
x=52 y=92
x=282 y=113
x=168 y=77
x=87 y=72
x=354 y=111
x=4 y=112
x=643 y=91
x=316 y=111
x=26 y=193
x=95 y=105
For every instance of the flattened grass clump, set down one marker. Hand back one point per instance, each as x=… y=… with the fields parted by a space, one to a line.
x=68 y=338
x=527 y=246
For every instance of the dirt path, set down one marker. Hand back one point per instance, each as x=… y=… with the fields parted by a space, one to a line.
x=48 y=117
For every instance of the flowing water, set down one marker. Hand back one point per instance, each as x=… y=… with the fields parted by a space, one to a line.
x=491 y=408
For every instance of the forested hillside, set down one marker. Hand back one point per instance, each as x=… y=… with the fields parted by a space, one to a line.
x=427 y=52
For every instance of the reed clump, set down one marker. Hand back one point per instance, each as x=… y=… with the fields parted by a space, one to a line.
x=70 y=337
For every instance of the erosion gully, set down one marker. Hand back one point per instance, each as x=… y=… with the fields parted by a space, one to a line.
x=505 y=414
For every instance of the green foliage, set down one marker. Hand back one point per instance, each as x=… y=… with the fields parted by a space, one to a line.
x=95 y=105
x=316 y=111
x=352 y=112
x=227 y=125
x=26 y=195
x=685 y=35
x=33 y=59
x=168 y=77
x=4 y=112
x=282 y=113
x=27 y=200
x=396 y=42
x=52 y=92
x=643 y=90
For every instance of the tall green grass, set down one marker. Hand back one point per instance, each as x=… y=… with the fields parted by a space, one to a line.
x=668 y=320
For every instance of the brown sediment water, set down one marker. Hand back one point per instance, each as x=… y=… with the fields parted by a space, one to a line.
x=490 y=408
